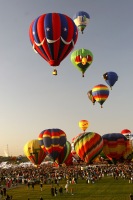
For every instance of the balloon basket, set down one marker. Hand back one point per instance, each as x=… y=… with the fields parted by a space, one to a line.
x=54 y=72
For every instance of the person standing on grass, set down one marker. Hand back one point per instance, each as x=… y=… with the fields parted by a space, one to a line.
x=41 y=185
x=33 y=185
x=55 y=191
x=131 y=197
x=1 y=192
x=4 y=191
x=52 y=190
x=61 y=190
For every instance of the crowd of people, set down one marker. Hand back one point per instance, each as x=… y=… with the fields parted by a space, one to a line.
x=46 y=174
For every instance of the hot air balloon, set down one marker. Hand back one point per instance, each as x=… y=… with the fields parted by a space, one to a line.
x=100 y=93
x=128 y=153
x=114 y=145
x=127 y=133
x=83 y=124
x=53 y=36
x=69 y=160
x=82 y=59
x=64 y=153
x=88 y=146
x=53 y=141
x=40 y=138
x=74 y=154
x=110 y=78
x=90 y=96
x=34 y=152
x=81 y=19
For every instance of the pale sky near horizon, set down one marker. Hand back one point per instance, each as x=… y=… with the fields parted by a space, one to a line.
x=32 y=99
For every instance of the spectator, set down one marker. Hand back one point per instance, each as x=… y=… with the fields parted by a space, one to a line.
x=131 y=197
x=33 y=185
x=4 y=191
x=61 y=190
x=41 y=185
x=55 y=191
x=52 y=190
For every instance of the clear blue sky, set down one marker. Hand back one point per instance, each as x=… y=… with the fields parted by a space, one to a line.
x=31 y=99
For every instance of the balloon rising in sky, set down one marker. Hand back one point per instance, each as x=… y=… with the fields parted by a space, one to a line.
x=81 y=19
x=53 y=36
x=82 y=59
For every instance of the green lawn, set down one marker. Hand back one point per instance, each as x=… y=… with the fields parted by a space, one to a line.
x=105 y=189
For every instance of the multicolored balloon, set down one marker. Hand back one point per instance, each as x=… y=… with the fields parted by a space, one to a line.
x=100 y=93
x=114 y=145
x=88 y=146
x=128 y=153
x=54 y=141
x=69 y=160
x=53 y=36
x=90 y=96
x=64 y=153
x=82 y=59
x=81 y=19
x=40 y=138
x=83 y=124
x=74 y=154
x=126 y=133
x=34 y=152
x=110 y=78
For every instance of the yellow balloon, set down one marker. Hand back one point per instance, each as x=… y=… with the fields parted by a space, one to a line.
x=34 y=152
x=83 y=124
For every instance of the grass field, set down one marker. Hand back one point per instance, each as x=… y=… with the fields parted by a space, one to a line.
x=105 y=189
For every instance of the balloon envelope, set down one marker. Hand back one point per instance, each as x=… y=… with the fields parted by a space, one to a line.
x=110 y=78
x=88 y=146
x=90 y=96
x=114 y=145
x=69 y=160
x=82 y=59
x=100 y=93
x=53 y=141
x=83 y=124
x=127 y=133
x=53 y=36
x=64 y=153
x=81 y=19
x=34 y=152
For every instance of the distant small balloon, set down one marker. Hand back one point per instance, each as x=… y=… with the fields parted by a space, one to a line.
x=83 y=124
x=81 y=19
x=90 y=96
x=110 y=78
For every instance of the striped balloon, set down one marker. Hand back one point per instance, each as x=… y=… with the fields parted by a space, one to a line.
x=34 y=152
x=53 y=141
x=40 y=138
x=100 y=93
x=53 y=36
x=88 y=146
x=114 y=145
x=64 y=153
